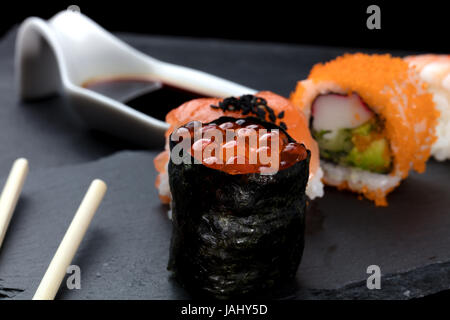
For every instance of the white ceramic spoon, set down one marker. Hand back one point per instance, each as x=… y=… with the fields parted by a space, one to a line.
x=59 y=55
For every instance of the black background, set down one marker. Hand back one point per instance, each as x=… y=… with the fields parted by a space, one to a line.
x=408 y=25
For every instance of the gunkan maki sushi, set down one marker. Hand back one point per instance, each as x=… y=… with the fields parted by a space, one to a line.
x=238 y=206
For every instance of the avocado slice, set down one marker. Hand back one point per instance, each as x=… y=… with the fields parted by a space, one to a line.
x=373 y=158
x=339 y=148
x=334 y=146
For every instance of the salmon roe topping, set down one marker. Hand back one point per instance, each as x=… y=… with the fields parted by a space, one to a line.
x=241 y=146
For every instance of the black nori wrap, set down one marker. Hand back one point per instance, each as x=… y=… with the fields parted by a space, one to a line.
x=236 y=235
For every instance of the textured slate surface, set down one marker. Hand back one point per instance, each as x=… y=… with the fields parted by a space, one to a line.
x=125 y=251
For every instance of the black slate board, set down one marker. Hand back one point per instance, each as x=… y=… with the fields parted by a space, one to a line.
x=125 y=251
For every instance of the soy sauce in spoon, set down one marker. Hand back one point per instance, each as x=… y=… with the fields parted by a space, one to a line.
x=153 y=98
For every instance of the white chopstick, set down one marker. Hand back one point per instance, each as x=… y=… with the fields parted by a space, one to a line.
x=10 y=194
x=66 y=251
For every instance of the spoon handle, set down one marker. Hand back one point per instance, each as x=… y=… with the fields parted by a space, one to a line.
x=198 y=81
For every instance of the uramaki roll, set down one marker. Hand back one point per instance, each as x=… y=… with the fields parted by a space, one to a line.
x=435 y=71
x=373 y=119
